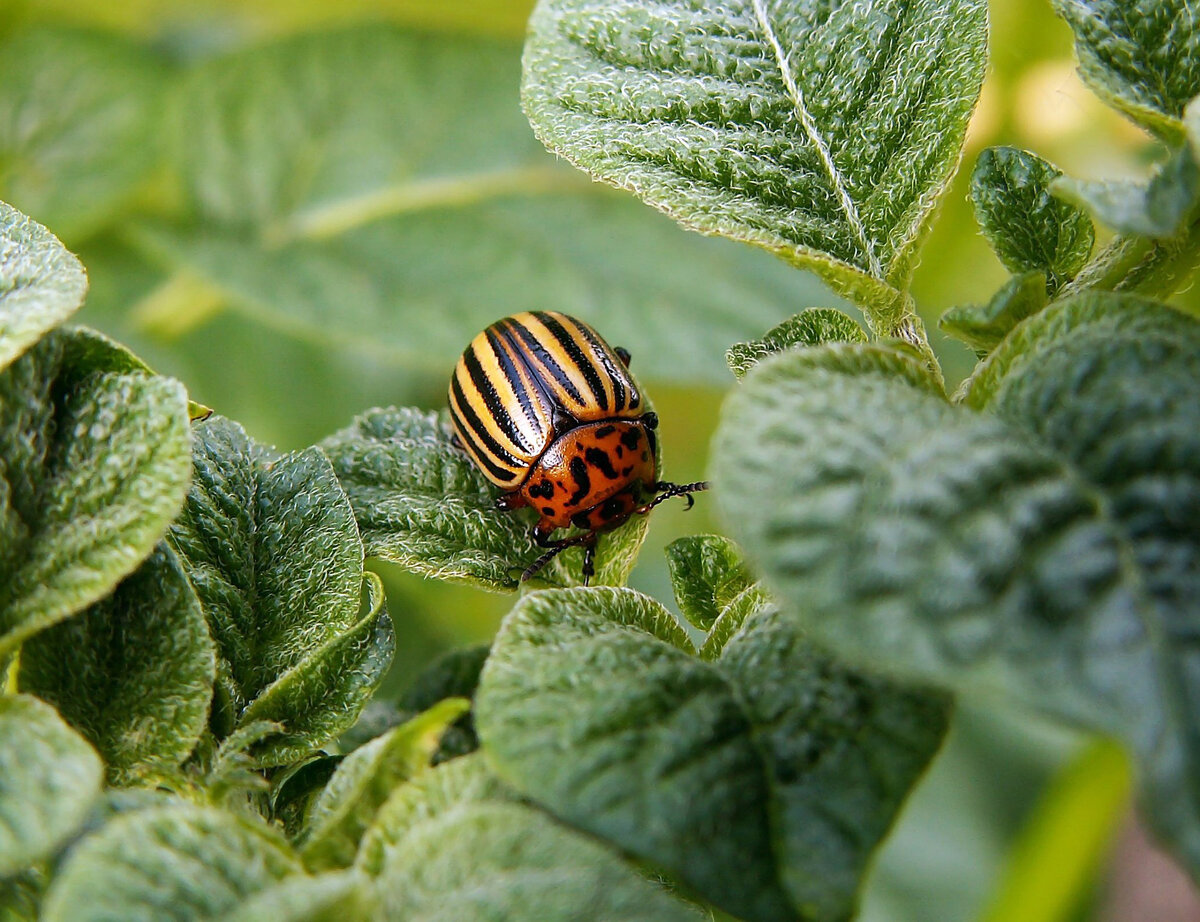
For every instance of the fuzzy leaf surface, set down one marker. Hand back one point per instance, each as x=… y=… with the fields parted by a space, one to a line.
x=184 y=863
x=271 y=547
x=423 y=504
x=378 y=219
x=504 y=862
x=823 y=132
x=93 y=467
x=49 y=779
x=133 y=672
x=80 y=124
x=811 y=327
x=707 y=574
x=594 y=704
x=1045 y=550
x=41 y=284
x=1142 y=56
x=1030 y=229
x=340 y=897
x=983 y=326
x=364 y=779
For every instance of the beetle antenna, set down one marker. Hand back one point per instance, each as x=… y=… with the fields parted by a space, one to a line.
x=671 y=490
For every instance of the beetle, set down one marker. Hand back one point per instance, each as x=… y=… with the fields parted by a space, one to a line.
x=550 y=414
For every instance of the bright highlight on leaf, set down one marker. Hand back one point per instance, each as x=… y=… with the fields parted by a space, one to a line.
x=824 y=132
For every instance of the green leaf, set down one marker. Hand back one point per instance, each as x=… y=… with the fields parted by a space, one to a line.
x=983 y=326
x=707 y=573
x=1142 y=56
x=426 y=797
x=49 y=779
x=378 y=219
x=422 y=503
x=811 y=327
x=497 y=862
x=80 y=125
x=183 y=863
x=21 y=895
x=452 y=675
x=271 y=547
x=363 y=781
x=94 y=467
x=133 y=672
x=1045 y=550
x=594 y=704
x=1030 y=230
x=823 y=132
x=41 y=284
x=344 y=897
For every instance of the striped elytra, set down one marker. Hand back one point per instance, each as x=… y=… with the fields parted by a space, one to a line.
x=548 y=412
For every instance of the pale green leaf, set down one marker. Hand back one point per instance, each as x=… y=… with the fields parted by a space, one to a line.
x=80 y=125
x=381 y=220
x=93 y=467
x=1142 y=56
x=340 y=897
x=502 y=862
x=422 y=503
x=41 y=284
x=824 y=132
x=594 y=704
x=707 y=574
x=271 y=547
x=347 y=805
x=983 y=326
x=133 y=672
x=180 y=863
x=1045 y=550
x=1030 y=230
x=810 y=327
x=49 y=779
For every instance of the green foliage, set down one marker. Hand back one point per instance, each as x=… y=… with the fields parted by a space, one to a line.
x=982 y=327
x=1045 y=549
x=810 y=327
x=271 y=547
x=49 y=779
x=1139 y=56
x=1030 y=230
x=41 y=284
x=708 y=574
x=133 y=672
x=737 y=120
x=595 y=704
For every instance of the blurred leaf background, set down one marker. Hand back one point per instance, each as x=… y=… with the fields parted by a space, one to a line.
x=306 y=208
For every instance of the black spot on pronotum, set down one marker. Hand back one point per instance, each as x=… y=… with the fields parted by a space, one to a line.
x=605 y=431
x=547 y=510
x=583 y=483
x=631 y=439
x=626 y=471
x=543 y=490
x=599 y=459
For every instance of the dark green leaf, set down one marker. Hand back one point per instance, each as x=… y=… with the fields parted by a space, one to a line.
x=133 y=672
x=810 y=327
x=273 y=551
x=21 y=895
x=49 y=779
x=1142 y=56
x=594 y=704
x=93 y=466
x=380 y=220
x=183 y=863
x=41 y=284
x=824 y=132
x=294 y=789
x=707 y=573
x=422 y=503
x=454 y=674
x=363 y=781
x=1045 y=550
x=80 y=123
x=1030 y=230
x=983 y=326
x=502 y=862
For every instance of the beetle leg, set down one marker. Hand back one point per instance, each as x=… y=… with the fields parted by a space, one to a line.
x=506 y=502
x=589 y=560
x=623 y=355
x=457 y=442
x=541 y=536
x=674 y=489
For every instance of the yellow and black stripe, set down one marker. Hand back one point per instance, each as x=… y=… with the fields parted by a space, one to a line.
x=522 y=381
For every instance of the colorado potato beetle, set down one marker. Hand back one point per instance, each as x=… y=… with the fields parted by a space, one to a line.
x=548 y=412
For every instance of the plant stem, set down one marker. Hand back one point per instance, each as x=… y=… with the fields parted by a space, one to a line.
x=1156 y=268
